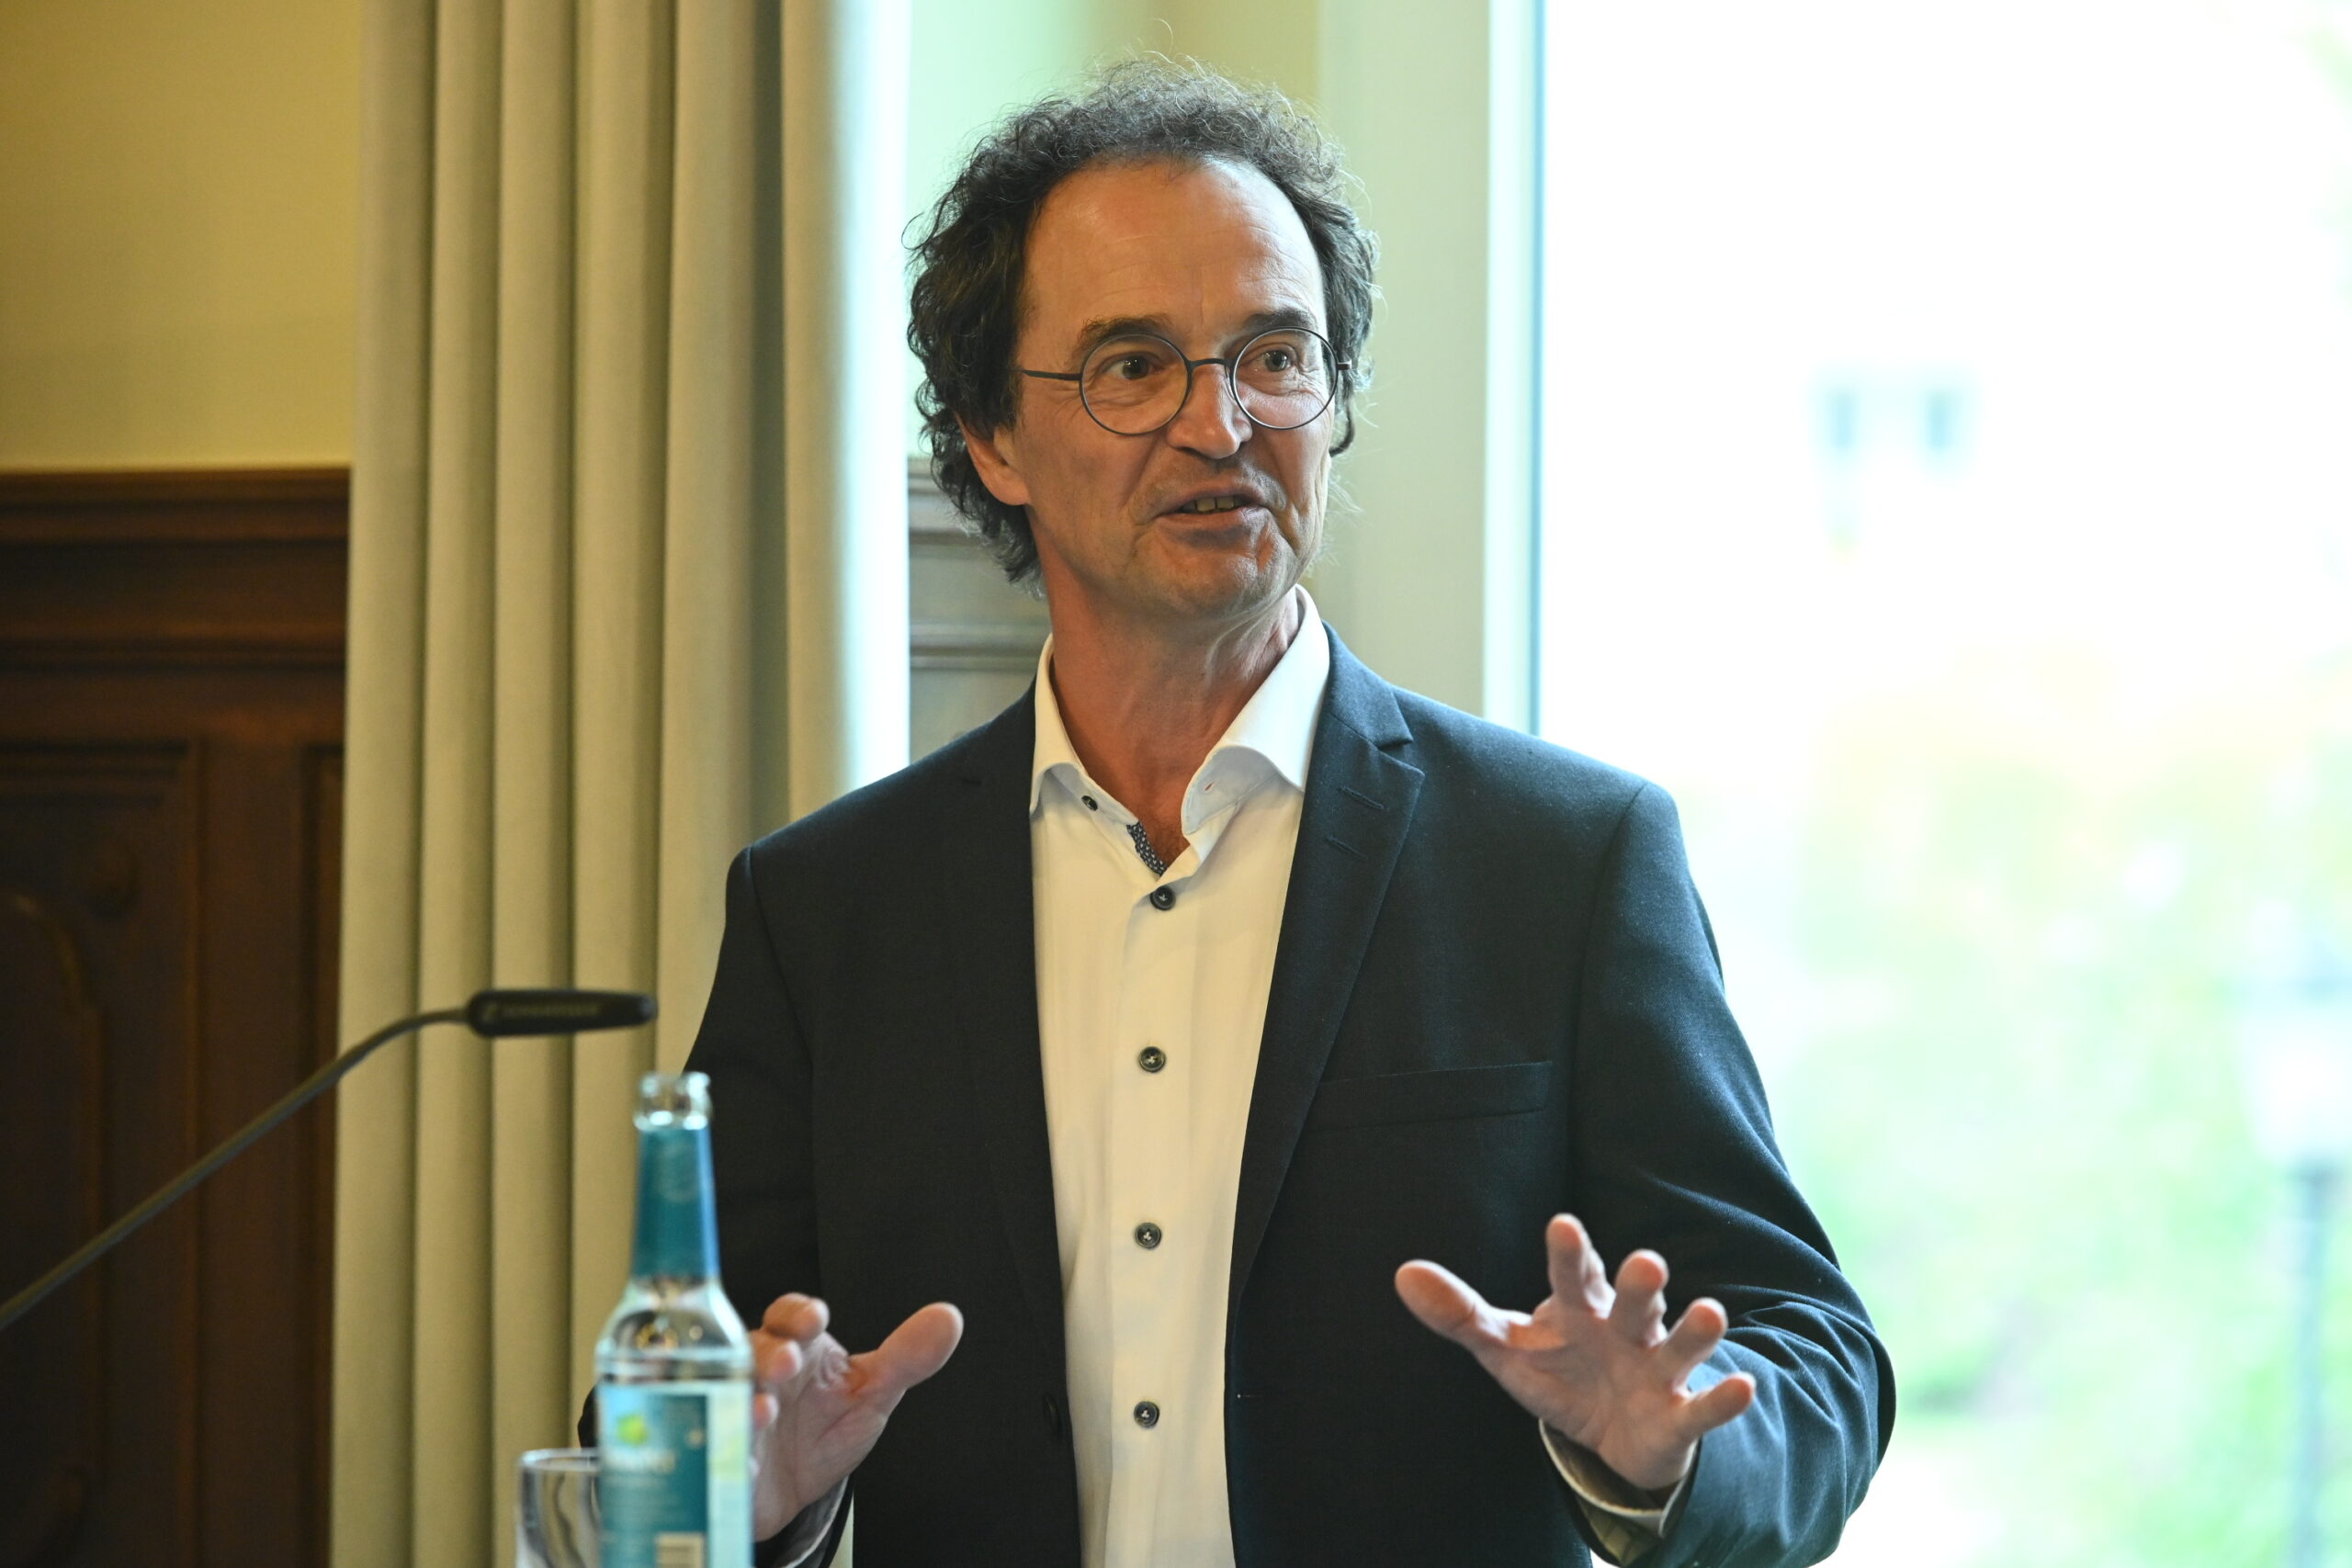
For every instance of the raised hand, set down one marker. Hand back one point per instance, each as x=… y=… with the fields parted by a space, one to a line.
x=817 y=1410
x=1595 y=1363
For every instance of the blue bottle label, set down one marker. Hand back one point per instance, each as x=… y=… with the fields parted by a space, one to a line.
x=673 y=1474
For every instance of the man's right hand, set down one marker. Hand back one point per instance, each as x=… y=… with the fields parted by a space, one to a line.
x=817 y=1409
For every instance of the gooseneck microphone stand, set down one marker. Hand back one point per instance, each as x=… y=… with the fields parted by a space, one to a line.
x=488 y=1014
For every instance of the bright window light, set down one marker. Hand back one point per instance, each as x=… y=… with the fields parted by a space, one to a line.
x=1947 y=494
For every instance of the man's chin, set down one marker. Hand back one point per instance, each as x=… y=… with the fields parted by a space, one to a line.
x=1224 y=590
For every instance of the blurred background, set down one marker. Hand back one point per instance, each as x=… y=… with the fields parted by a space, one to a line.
x=1917 y=434
x=1947 y=474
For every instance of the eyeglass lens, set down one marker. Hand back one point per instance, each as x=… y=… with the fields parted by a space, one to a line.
x=1134 y=385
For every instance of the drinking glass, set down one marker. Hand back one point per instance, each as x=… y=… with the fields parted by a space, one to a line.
x=555 y=1511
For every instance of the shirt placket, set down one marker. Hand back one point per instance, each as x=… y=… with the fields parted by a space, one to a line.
x=1154 y=1039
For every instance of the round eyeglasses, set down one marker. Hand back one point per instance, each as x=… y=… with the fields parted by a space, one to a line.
x=1135 y=383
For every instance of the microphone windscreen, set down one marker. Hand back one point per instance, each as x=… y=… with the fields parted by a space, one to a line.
x=556 y=1012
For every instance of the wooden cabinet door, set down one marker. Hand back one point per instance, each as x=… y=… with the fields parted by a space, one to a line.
x=171 y=726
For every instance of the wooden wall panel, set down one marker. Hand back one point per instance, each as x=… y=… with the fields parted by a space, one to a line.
x=53 y=1376
x=171 y=712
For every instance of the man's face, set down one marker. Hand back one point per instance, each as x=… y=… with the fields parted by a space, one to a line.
x=1206 y=257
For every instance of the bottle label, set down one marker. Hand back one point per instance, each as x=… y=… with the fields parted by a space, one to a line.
x=673 y=1474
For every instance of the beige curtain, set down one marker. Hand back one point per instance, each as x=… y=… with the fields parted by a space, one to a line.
x=628 y=587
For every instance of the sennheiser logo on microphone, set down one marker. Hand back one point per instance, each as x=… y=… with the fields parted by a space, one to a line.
x=501 y=1012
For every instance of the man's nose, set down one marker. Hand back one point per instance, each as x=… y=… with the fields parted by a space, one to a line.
x=1210 y=422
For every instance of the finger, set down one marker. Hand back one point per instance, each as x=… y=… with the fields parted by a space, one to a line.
x=1719 y=1404
x=1639 y=1312
x=765 y=1408
x=1694 y=1338
x=1575 y=1263
x=775 y=1362
x=795 y=1316
x=916 y=1348
x=1447 y=1306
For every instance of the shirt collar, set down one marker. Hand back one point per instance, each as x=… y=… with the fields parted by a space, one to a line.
x=1273 y=733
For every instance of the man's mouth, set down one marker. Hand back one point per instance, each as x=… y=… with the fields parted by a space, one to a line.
x=1212 y=503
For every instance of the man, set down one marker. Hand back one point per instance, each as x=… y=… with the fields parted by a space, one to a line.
x=1163 y=1023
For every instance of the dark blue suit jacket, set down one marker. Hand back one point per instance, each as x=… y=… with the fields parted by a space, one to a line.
x=1495 y=999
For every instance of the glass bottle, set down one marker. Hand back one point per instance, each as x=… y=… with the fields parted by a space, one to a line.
x=673 y=1368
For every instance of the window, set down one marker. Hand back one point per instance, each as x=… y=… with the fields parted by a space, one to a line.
x=1946 y=493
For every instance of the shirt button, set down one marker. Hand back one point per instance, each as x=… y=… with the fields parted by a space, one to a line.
x=1147 y=1235
x=1091 y=804
x=1146 y=1414
x=1163 y=898
x=1151 y=1058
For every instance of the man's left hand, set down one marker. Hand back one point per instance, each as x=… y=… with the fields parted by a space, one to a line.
x=1596 y=1364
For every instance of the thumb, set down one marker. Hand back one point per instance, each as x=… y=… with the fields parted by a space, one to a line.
x=1447 y=1306
x=915 y=1349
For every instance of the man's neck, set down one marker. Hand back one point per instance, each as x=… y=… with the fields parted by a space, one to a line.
x=1142 y=710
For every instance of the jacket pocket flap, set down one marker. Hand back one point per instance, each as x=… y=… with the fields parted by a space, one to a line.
x=1445 y=1095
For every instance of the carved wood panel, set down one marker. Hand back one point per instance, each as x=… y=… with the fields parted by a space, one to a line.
x=170 y=733
x=96 y=894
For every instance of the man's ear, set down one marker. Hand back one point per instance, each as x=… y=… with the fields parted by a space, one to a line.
x=996 y=457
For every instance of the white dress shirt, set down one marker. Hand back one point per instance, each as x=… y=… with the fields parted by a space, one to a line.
x=1151 y=997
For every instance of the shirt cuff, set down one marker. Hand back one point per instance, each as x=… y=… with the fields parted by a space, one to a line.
x=804 y=1538
x=1629 y=1520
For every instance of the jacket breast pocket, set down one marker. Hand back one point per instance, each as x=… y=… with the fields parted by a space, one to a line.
x=1448 y=1094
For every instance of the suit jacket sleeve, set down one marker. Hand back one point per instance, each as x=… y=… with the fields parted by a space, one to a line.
x=1676 y=1152
x=750 y=1045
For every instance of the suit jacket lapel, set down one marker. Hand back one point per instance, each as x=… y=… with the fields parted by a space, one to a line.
x=989 y=893
x=1360 y=799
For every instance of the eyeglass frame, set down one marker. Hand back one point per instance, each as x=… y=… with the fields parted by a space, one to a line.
x=1231 y=363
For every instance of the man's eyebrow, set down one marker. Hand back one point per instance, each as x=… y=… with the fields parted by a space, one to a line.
x=1282 y=318
x=1103 y=328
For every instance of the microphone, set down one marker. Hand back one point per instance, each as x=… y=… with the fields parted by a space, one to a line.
x=556 y=1012
x=490 y=1014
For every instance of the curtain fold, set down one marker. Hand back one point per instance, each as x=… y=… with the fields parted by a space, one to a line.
x=624 y=127
x=844 y=115
x=585 y=632
x=530 y=859
x=375 y=1110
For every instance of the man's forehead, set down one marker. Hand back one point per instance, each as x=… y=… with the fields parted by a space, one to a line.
x=1168 y=239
